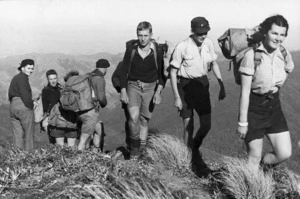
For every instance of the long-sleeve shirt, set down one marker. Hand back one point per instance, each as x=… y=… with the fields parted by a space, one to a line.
x=143 y=69
x=20 y=87
x=50 y=97
x=98 y=86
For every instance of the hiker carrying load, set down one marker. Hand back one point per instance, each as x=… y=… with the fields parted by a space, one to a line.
x=191 y=62
x=85 y=94
x=263 y=70
x=61 y=123
x=141 y=82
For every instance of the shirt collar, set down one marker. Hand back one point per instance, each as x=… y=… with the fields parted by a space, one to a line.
x=191 y=40
x=262 y=48
x=151 y=45
x=97 y=72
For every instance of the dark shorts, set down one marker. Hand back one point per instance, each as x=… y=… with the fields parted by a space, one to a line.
x=265 y=116
x=57 y=132
x=194 y=94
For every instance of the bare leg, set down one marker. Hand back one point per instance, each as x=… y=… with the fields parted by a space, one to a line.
x=143 y=130
x=282 y=148
x=254 y=150
x=83 y=138
x=71 y=142
x=188 y=125
x=60 y=141
x=98 y=135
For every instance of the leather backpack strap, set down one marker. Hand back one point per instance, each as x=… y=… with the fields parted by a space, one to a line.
x=131 y=58
x=155 y=54
x=283 y=52
x=257 y=57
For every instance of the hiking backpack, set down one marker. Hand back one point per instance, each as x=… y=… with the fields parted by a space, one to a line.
x=77 y=93
x=115 y=78
x=235 y=42
x=61 y=118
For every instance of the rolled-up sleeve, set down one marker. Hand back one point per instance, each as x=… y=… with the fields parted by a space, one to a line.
x=247 y=64
x=177 y=57
x=289 y=67
x=211 y=48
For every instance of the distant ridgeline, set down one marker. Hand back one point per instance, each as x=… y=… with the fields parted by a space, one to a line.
x=62 y=63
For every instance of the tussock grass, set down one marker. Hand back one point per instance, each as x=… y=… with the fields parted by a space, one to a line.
x=239 y=179
x=169 y=151
x=286 y=182
x=132 y=188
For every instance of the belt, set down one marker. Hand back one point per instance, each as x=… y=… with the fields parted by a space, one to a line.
x=269 y=96
x=14 y=98
x=140 y=83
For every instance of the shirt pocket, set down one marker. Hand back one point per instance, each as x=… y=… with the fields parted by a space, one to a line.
x=188 y=59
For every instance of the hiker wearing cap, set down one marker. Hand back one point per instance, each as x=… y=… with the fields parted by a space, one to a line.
x=90 y=118
x=141 y=82
x=260 y=111
x=192 y=59
x=62 y=124
x=22 y=106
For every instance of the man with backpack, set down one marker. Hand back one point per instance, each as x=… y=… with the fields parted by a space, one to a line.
x=191 y=61
x=90 y=118
x=61 y=123
x=141 y=83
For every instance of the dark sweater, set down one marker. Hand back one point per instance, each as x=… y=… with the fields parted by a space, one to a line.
x=50 y=97
x=20 y=87
x=142 y=69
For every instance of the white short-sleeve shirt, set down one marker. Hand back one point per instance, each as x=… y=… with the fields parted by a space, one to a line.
x=270 y=73
x=193 y=61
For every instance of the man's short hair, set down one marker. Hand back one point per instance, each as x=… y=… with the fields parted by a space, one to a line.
x=51 y=72
x=144 y=25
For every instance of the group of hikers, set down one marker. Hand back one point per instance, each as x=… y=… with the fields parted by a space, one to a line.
x=140 y=79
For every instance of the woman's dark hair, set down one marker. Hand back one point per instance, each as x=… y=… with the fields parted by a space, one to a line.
x=70 y=74
x=279 y=20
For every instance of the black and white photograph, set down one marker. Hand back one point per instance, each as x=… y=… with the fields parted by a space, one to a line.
x=160 y=99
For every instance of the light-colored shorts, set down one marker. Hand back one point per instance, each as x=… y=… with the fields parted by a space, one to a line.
x=140 y=95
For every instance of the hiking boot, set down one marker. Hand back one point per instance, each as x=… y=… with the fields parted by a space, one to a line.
x=135 y=153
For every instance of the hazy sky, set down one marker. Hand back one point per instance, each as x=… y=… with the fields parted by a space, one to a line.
x=91 y=26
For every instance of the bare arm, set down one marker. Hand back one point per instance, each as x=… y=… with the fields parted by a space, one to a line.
x=173 y=79
x=244 y=104
x=217 y=73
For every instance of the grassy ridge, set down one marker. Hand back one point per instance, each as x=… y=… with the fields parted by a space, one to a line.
x=163 y=172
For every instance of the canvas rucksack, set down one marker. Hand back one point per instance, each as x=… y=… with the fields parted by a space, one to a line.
x=61 y=118
x=116 y=74
x=234 y=43
x=77 y=93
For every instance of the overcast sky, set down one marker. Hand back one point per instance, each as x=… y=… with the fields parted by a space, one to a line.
x=91 y=26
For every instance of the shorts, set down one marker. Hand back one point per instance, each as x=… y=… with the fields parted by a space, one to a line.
x=194 y=94
x=140 y=95
x=89 y=120
x=265 y=116
x=57 y=132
